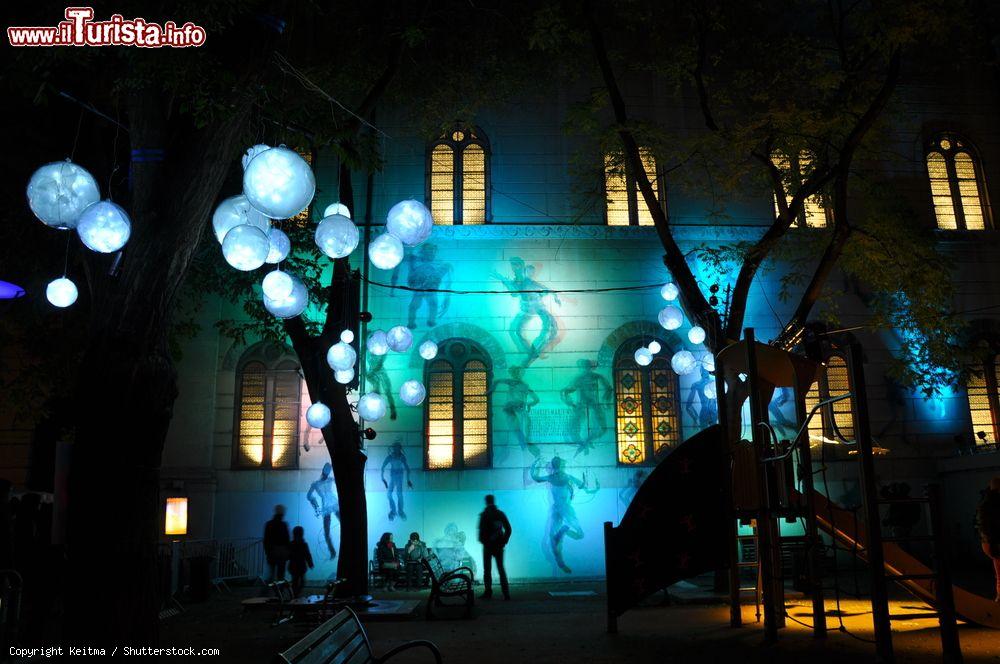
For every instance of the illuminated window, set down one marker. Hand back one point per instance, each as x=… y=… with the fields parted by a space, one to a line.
x=302 y=218
x=626 y=206
x=825 y=426
x=458 y=178
x=176 y=518
x=984 y=403
x=794 y=171
x=458 y=407
x=268 y=390
x=956 y=185
x=647 y=412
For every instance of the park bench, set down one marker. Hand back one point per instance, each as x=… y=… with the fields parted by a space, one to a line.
x=446 y=584
x=342 y=639
x=279 y=600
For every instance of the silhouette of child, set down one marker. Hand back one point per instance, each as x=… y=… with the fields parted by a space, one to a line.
x=298 y=559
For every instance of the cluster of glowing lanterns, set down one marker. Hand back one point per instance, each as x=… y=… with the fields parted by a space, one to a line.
x=65 y=196
x=683 y=362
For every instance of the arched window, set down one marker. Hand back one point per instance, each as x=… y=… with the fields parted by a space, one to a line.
x=984 y=402
x=626 y=206
x=458 y=177
x=268 y=391
x=825 y=425
x=795 y=170
x=957 y=186
x=647 y=404
x=458 y=407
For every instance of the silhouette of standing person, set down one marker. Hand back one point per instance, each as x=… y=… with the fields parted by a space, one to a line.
x=591 y=390
x=320 y=496
x=563 y=520
x=276 y=541
x=398 y=467
x=299 y=559
x=988 y=524
x=520 y=400
x=532 y=305
x=494 y=533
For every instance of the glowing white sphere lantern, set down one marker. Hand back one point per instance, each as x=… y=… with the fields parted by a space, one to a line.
x=344 y=377
x=337 y=208
x=654 y=347
x=683 y=362
x=710 y=391
x=412 y=392
x=669 y=292
x=377 y=344
x=428 y=350
x=696 y=334
x=104 y=227
x=341 y=356
x=643 y=357
x=253 y=152
x=279 y=246
x=410 y=221
x=385 y=251
x=347 y=336
x=236 y=211
x=671 y=317
x=337 y=236
x=245 y=247
x=277 y=285
x=318 y=415
x=279 y=183
x=59 y=192
x=291 y=306
x=399 y=338
x=708 y=362
x=372 y=406
x=61 y=292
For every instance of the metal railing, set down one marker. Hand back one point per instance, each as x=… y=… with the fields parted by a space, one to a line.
x=233 y=559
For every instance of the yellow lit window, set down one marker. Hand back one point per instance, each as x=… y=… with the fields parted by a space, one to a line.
x=458 y=181
x=956 y=187
x=267 y=410
x=814 y=213
x=984 y=403
x=176 y=520
x=836 y=419
x=302 y=218
x=625 y=204
x=458 y=407
x=647 y=420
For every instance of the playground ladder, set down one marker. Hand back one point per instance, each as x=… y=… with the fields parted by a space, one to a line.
x=755 y=564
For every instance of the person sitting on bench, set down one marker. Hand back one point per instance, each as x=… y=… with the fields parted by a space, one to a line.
x=387 y=556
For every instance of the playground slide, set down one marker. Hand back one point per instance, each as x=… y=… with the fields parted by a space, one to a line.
x=840 y=523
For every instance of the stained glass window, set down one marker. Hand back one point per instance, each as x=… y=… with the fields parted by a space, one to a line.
x=794 y=171
x=267 y=409
x=984 y=402
x=837 y=419
x=956 y=185
x=302 y=218
x=647 y=419
x=458 y=178
x=625 y=203
x=458 y=407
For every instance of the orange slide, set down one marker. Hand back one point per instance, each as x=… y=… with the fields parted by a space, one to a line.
x=840 y=523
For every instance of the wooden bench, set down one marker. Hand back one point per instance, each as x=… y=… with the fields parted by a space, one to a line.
x=343 y=640
x=446 y=584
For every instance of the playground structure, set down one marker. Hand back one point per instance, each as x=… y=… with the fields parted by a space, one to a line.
x=687 y=513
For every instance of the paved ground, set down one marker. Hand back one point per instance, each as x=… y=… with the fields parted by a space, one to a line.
x=537 y=627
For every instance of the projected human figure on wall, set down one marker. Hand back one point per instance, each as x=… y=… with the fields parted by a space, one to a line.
x=629 y=490
x=707 y=412
x=520 y=400
x=586 y=395
x=398 y=470
x=426 y=274
x=325 y=505
x=450 y=549
x=532 y=305
x=782 y=396
x=562 y=519
x=379 y=381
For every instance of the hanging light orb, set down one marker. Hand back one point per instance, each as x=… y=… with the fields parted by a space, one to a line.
x=104 y=227
x=253 y=152
x=245 y=247
x=410 y=221
x=696 y=335
x=669 y=292
x=428 y=350
x=654 y=347
x=291 y=306
x=399 y=338
x=347 y=336
x=385 y=251
x=412 y=392
x=344 y=377
x=708 y=362
x=377 y=344
x=318 y=415
x=279 y=183
x=671 y=317
x=278 y=246
x=277 y=285
x=710 y=391
x=341 y=356
x=683 y=362
x=61 y=292
x=643 y=357
x=236 y=211
x=59 y=192
x=337 y=236
x=336 y=208
x=372 y=406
